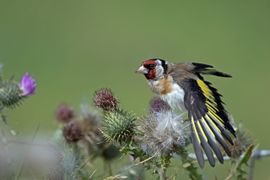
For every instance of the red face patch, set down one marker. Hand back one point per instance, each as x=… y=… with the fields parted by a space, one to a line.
x=150 y=65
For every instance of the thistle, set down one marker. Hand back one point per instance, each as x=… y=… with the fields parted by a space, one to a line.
x=90 y=117
x=12 y=93
x=105 y=100
x=72 y=132
x=64 y=113
x=119 y=126
x=92 y=137
x=27 y=85
x=158 y=105
x=164 y=132
x=241 y=142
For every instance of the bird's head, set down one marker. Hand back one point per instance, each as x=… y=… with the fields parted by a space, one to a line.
x=153 y=69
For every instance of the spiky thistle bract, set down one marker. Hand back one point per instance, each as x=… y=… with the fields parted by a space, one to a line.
x=119 y=126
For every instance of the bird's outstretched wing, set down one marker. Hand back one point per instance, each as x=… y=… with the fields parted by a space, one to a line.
x=210 y=125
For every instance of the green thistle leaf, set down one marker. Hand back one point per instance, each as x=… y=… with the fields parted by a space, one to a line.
x=239 y=169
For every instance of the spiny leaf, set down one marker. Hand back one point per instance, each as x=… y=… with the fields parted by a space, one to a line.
x=238 y=168
x=247 y=156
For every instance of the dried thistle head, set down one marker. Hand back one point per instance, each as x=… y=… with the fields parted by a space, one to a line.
x=164 y=132
x=72 y=132
x=241 y=142
x=64 y=113
x=90 y=118
x=91 y=124
x=158 y=105
x=105 y=99
x=119 y=126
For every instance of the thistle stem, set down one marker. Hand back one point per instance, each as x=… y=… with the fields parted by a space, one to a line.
x=162 y=173
x=110 y=169
x=251 y=168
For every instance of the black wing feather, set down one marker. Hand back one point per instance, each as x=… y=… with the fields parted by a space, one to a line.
x=209 y=121
x=206 y=147
x=220 y=139
x=211 y=137
x=196 y=145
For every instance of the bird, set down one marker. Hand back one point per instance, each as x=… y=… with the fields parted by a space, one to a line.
x=183 y=87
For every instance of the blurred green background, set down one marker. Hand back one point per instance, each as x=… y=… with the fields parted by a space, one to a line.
x=73 y=48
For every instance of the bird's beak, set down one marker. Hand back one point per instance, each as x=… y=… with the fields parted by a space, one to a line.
x=142 y=70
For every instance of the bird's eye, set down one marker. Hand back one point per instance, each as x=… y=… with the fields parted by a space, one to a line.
x=150 y=66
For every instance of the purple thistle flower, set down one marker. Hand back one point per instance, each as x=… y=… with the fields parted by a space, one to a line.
x=105 y=99
x=27 y=85
x=72 y=132
x=158 y=105
x=64 y=113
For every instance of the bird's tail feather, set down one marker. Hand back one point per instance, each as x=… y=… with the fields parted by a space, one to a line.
x=208 y=69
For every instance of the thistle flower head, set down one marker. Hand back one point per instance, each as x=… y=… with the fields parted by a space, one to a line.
x=105 y=99
x=91 y=125
x=27 y=85
x=119 y=126
x=89 y=116
x=164 y=132
x=241 y=142
x=158 y=105
x=72 y=132
x=10 y=94
x=64 y=113
x=93 y=138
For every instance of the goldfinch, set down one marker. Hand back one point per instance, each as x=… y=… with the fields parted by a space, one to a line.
x=182 y=86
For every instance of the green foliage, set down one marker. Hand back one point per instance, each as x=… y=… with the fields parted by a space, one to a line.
x=124 y=134
x=243 y=163
x=239 y=168
x=189 y=166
